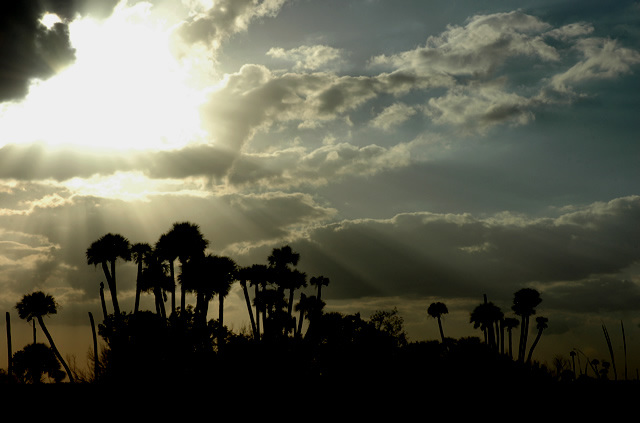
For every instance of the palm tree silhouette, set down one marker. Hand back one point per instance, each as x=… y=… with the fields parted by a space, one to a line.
x=244 y=275
x=309 y=308
x=284 y=276
x=189 y=243
x=436 y=310
x=107 y=250
x=510 y=323
x=318 y=282
x=258 y=277
x=156 y=278
x=166 y=251
x=524 y=303
x=541 y=325
x=224 y=273
x=139 y=252
x=485 y=316
x=36 y=305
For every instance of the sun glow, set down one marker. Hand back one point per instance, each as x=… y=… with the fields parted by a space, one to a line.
x=125 y=91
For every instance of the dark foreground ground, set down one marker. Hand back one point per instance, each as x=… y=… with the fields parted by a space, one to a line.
x=395 y=399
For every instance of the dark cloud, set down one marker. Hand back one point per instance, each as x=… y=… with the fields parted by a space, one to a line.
x=28 y=49
x=425 y=254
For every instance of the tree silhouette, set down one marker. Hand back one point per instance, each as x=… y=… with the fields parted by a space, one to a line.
x=541 y=325
x=34 y=361
x=510 y=323
x=524 y=303
x=156 y=279
x=485 y=316
x=187 y=243
x=37 y=305
x=436 y=310
x=244 y=275
x=284 y=276
x=139 y=253
x=318 y=282
x=107 y=250
x=166 y=251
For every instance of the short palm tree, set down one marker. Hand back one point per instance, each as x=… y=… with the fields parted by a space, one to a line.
x=541 y=325
x=35 y=306
x=510 y=323
x=436 y=310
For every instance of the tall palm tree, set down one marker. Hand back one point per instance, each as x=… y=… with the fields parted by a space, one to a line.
x=436 y=310
x=37 y=305
x=244 y=274
x=541 y=325
x=139 y=252
x=188 y=243
x=510 y=323
x=166 y=251
x=284 y=276
x=105 y=251
x=258 y=277
x=318 y=282
x=524 y=303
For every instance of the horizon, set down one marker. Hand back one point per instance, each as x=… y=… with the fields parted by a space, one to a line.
x=410 y=151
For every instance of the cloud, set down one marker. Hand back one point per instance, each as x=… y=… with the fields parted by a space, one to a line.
x=309 y=57
x=30 y=50
x=453 y=255
x=479 y=107
x=224 y=19
x=394 y=115
x=478 y=48
x=603 y=59
x=327 y=164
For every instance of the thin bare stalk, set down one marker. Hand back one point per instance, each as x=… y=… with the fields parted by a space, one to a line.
x=613 y=360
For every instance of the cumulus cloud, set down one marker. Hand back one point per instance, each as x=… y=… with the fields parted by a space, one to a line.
x=478 y=48
x=309 y=57
x=225 y=18
x=394 y=115
x=603 y=59
x=479 y=107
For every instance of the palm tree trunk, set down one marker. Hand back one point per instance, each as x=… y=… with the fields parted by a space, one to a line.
x=522 y=341
x=220 y=321
x=533 y=346
x=9 y=352
x=111 y=283
x=103 y=302
x=257 y=313
x=95 y=348
x=510 y=343
x=55 y=350
x=173 y=289
x=137 y=304
x=253 y=322
x=441 y=331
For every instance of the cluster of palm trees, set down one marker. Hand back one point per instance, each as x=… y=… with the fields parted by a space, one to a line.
x=208 y=275
x=489 y=318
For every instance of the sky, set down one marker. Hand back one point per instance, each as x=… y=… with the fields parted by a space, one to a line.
x=410 y=151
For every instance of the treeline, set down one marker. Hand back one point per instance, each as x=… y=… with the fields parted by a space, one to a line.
x=178 y=343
